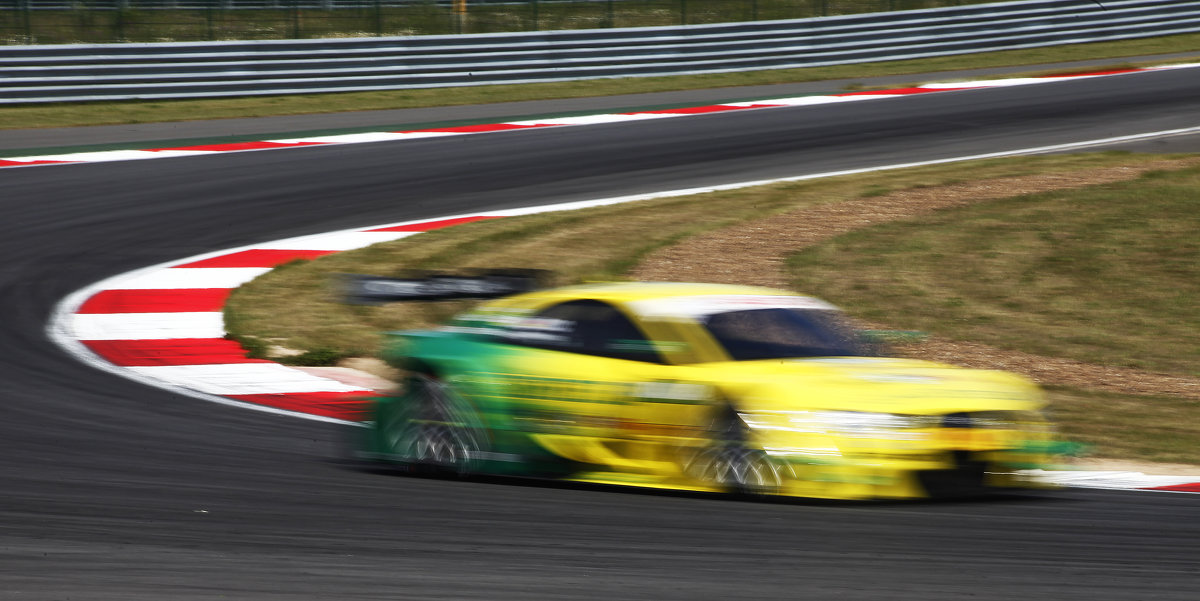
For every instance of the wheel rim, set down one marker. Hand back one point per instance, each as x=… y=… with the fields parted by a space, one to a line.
x=735 y=468
x=433 y=431
x=730 y=462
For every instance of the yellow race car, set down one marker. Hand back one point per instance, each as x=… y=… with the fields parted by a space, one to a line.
x=699 y=387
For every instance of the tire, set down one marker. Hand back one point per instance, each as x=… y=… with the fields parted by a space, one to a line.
x=431 y=429
x=729 y=462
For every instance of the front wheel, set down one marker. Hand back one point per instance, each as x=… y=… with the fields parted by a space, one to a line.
x=734 y=468
x=729 y=462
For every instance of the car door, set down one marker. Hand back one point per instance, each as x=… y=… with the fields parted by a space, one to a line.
x=599 y=391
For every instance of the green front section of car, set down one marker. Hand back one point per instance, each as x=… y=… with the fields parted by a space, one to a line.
x=490 y=401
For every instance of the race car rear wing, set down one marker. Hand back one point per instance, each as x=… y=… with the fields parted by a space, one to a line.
x=374 y=290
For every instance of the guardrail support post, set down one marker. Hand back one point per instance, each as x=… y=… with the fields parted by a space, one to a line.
x=295 y=19
x=27 y=18
x=460 y=15
x=122 y=6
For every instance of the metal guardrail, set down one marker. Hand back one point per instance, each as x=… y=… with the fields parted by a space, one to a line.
x=89 y=72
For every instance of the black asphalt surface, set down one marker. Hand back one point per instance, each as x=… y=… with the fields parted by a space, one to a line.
x=111 y=490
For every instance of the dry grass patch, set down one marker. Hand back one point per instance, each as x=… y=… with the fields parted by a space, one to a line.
x=1106 y=274
x=1148 y=428
x=755 y=252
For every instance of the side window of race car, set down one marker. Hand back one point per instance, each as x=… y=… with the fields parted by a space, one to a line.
x=781 y=333
x=592 y=327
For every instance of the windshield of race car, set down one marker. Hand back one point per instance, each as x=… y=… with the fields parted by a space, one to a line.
x=765 y=326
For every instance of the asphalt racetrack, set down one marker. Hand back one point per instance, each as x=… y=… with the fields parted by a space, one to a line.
x=110 y=490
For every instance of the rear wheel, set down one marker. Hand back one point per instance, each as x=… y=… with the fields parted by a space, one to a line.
x=431 y=429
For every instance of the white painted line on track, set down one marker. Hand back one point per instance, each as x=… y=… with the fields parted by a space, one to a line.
x=94 y=157
x=243 y=379
x=205 y=277
x=337 y=241
x=593 y=119
x=1113 y=480
x=363 y=138
x=148 y=326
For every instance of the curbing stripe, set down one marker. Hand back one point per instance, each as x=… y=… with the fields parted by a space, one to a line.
x=183 y=300
x=336 y=241
x=431 y=225
x=236 y=146
x=243 y=378
x=259 y=257
x=177 y=351
x=1193 y=487
x=176 y=278
x=333 y=406
x=148 y=326
x=1120 y=480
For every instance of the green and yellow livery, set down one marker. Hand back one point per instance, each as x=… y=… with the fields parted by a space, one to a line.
x=700 y=387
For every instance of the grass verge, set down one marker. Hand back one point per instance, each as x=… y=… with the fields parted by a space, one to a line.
x=156 y=111
x=1120 y=426
x=1105 y=275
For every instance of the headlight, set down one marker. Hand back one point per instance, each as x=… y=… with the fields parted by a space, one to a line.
x=862 y=420
x=865 y=424
x=783 y=421
x=854 y=424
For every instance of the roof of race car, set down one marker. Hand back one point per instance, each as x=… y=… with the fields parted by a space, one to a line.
x=664 y=297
